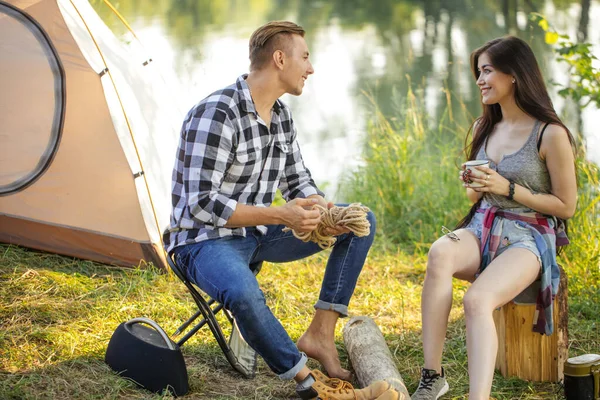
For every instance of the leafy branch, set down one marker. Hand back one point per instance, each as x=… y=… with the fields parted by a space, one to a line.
x=584 y=81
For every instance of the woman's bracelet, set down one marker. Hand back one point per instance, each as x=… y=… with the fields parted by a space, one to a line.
x=511 y=189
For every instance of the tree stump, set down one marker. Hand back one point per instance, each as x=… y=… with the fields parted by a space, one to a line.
x=526 y=354
x=370 y=355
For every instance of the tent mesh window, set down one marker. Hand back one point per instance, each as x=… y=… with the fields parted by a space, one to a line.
x=32 y=79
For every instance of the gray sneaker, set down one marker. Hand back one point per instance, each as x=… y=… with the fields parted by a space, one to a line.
x=432 y=385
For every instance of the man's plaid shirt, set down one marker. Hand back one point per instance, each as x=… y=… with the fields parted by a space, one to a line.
x=225 y=157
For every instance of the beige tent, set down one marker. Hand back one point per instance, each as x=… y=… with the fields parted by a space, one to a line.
x=87 y=136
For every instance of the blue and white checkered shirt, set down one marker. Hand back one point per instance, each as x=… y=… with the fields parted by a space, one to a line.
x=225 y=157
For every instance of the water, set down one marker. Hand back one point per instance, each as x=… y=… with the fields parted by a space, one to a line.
x=360 y=49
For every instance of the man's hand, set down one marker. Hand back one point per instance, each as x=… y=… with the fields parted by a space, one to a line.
x=299 y=215
x=337 y=230
x=320 y=200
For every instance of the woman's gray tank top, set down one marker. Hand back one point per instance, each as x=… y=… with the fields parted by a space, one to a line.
x=524 y=167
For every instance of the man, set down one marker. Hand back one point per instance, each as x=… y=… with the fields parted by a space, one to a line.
x=238 y=146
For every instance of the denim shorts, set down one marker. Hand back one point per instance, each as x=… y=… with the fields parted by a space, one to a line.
x=515 y=234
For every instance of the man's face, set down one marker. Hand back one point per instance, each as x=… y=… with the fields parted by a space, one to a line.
x=297 y=66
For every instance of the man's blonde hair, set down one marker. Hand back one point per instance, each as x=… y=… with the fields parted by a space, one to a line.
x=275 y=35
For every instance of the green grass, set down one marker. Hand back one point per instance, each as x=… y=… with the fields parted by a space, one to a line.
x=410 y=174
x=57 y=315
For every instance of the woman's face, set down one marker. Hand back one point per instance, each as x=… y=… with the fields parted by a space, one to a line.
x=495 y=86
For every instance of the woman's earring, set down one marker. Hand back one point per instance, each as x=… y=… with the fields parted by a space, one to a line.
x=513 y=80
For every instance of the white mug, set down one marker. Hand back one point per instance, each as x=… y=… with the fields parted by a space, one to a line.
x=469 y=165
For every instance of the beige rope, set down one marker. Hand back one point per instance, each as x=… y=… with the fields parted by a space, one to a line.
x=352 y=217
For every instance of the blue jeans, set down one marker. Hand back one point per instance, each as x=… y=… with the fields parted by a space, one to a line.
x=220 y=267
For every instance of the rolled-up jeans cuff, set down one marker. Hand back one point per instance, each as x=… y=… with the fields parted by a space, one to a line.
x=294 y=371
x=339 y=308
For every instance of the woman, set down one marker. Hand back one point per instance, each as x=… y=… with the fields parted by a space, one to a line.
x=509 y=238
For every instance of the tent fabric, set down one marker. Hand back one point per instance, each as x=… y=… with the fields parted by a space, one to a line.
x=104 y=191
x=74 y=242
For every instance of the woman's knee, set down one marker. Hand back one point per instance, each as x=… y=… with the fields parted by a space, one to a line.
x=476 y=302
x=440 y=259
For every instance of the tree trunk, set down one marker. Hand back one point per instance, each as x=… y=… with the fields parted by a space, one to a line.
x=370 y=355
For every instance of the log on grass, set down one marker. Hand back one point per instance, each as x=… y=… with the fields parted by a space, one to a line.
x=370 y=356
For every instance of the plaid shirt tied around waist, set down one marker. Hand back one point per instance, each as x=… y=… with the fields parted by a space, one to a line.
x=227 y=155
x=546 y=237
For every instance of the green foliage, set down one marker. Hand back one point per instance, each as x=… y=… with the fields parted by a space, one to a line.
x=410 y=174
x=582 y=256
x=584 y=83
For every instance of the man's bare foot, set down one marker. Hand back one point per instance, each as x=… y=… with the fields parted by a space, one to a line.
x=326 y=354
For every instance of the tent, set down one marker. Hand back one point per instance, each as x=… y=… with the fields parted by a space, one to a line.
x=88 y=135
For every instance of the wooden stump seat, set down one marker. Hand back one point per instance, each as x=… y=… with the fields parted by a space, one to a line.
x=526 y=354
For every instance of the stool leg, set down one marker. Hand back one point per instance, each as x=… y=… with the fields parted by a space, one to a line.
x=187 y=323
x=190 y=320
x=208 y=313
x=197 y=327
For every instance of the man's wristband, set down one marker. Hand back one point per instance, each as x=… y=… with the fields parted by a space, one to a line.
x=511 y=189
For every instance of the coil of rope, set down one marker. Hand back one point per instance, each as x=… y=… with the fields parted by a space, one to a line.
x=352 y=217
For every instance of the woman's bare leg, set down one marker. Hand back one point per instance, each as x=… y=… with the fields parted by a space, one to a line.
x=446 y=259
x=507 y=276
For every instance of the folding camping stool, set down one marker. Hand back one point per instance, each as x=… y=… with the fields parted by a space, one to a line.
x=239 y=354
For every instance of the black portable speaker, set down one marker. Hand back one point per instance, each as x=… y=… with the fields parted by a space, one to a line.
x=148 y=357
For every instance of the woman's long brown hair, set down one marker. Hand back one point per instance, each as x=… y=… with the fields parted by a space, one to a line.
x=512 y=56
